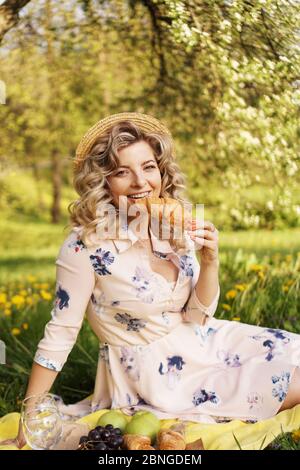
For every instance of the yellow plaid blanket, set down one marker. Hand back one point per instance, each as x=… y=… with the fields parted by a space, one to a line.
x=221 y=436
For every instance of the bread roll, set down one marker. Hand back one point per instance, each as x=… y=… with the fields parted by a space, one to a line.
x=166 y=211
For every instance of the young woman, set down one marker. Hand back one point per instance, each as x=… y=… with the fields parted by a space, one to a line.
x=148 y=301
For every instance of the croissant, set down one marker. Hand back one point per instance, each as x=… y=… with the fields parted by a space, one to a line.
x=137 y=442
x=166 y=209
x=170 y=440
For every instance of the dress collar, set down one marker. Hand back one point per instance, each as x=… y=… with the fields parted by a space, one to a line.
x=129 y=238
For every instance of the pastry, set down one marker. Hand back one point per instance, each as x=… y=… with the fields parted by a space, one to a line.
x=170 y=440
x=137 y=442
x=166 y=210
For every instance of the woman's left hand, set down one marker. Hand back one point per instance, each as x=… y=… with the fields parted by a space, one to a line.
x=206 y=238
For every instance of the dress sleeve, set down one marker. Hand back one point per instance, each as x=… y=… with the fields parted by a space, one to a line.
x=75 y=280
x=194 y=311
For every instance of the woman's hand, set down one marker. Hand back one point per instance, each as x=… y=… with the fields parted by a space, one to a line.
x=18 y=441
x=206 y=236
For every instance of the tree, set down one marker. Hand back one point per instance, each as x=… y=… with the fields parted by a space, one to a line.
x=222 y=74
x=9 y=15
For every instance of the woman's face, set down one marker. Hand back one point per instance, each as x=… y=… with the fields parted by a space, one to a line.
x=137 y=174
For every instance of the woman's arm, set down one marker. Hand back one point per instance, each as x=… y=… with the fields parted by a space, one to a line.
x=41 y=380
x=75 y=279
x=207 y=285
x=205 y=294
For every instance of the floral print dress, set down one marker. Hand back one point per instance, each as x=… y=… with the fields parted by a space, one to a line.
x=160 y=349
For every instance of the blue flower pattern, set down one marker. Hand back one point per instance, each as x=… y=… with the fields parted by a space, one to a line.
x=103 y=355
x=142 y=285
x=78 y=245
x=132 y=324
x=186 y=265
x=49 y=364
x=274 y=340
x=101 y=260
x=204 y=333
x=61 y=298
x=228 y=358
x=201 y=396
x=281 y=383
x=171 y=368
x=98 y=303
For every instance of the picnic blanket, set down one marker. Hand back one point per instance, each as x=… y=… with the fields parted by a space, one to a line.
x=221 y=436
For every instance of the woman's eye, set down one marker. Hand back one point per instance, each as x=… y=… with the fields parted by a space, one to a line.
x=150 y=166
x=123 y=172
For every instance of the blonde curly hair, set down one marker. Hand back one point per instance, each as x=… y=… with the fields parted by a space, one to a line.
x=90 y=181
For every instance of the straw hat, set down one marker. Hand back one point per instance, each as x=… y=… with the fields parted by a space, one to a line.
x=145 y=122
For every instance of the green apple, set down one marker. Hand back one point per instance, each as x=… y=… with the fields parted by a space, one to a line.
x=114 y=417
x=143 y=425
x=149 y=416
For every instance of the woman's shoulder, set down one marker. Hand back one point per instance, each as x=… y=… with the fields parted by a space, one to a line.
x=72 y=247
x=73 y=239
x=76 y=242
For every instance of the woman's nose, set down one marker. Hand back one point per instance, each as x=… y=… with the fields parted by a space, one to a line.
x=138 y=180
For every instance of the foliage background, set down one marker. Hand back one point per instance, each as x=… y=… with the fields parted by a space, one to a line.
x=223 y=75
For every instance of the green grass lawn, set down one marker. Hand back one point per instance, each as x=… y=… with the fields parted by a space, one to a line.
x=29 y=247
x=259 y=279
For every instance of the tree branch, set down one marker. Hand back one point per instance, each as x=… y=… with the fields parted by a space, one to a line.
x=9 y=15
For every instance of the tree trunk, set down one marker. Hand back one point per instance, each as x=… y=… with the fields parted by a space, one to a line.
x=56 y=187
x=9 y=15
x=37 y=178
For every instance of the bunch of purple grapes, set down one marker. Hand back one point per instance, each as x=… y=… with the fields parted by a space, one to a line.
x=102 y=438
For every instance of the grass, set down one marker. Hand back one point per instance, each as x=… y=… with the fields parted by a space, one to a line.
x=259 y=278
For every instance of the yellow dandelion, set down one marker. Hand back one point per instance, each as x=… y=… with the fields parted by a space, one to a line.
x=23 y=292
x=296 y=435
x=240 y=287
x=17 y=300
x=285 y=288
x=7 y=312
x=288 y=257
x=226 y=307
x=3 y=298
x=236 y=319
x=31 y=278
x=289 y=282
x=29 y=301
x=44 y=285
x=25 y=326
x=231 y=294
x=256 y=267
x=15 y=331
x=45 y=295
x=261 y=275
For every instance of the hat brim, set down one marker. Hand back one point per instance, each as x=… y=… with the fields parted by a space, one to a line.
x=145 y=122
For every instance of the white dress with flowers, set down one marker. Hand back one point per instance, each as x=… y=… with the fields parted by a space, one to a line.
x=160 y=348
